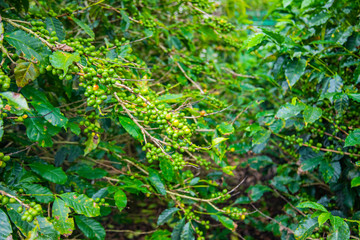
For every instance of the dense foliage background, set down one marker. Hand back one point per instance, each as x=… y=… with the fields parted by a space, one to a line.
x=194 y=119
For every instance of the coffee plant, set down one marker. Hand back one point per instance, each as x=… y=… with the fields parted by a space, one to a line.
x=162 y=119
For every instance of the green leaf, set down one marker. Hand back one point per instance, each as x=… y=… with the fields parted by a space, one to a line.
x=17 y=101
x=228 y=223
x=187 y=232
x=91 y=143
x=287 y=3
x=166 y=215
x=274 y=36
x=305 y=228
x=257 y=191
x=167 y=170
x=289 y=110
x=85 y=27
x=155 y=180
x=81 y=204
x=340 y=229
x=46 y=229
x=29 y=45
x=225 y=128
x=261 y=137
x=54 y=25
x=25 y=72
x=218 y=140
x=5 y=225
x=63 y=223
x=355 y=96
x=39 y=130
x=24 y=226
x=311 y=114
x=62 y=60
x=90 y=227
x=131 y=128
x=120 y=199
x=319 y=18
x=353 y=138
x=312 y=205
x=323 y=217
x=40 y=193
x=355 y=182
x=49 y=172
x=254 y=40
x=294 y=70
x=44 y=107
x=306 y=3
x=176 y=233
x=88 y=172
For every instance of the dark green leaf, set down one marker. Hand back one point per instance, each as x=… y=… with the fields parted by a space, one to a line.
x=305 y=228
x=166 y=215
x=40 y=193
x=257 y=191
x=131 y=128
x=187 y=232
x=353 y=138
x=294 y=70
x=62 y=60
x=85 y=27
x=54 y=25
x=155 y=180
x=24 y=226
x=311 y=114
x=90 y=227
x=5 y=225
x=355 y=182
x=49 y=172
x=29 y=45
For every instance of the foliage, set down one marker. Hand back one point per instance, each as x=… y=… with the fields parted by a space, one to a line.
x=155 y=114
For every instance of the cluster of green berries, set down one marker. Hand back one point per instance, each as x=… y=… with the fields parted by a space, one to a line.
x=91 y=125
x=39 y=28
x=30 y=214
x=197 y=69
x=219 y=24
x=231 y=41
x=101 y=202
x=203 y=162
x=4 y=200
x=4 y=80
x=58 y=72
x=221 y=195
x=3 y=160
x=321 y=232
x=236 y=213
x=199 y=234
x=190 y=215
x=149 y=24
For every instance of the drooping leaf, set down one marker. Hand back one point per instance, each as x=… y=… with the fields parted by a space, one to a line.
x=176 y=233
x=131 y=128
x=311 y=114
x=25 y=72
x=39 y=130
x=305 y=228
x=294 y=70
x=228 y=223
x=88 y=172
x=323 y=217
x=40 y=102
x=54 y=25
x=62 y=60
x=312 y=205
x=40 y=193
x=63 y=223
x=120 y=199
x=85 y=27
x=29 y=45
x=353 y=138
x=46 y=229
x=355 y=182
x=49 y=172
x=91 y=143
x=187 y=232
x=156 y=181
x=5 y=226
x=81 y=204
x=90 y=227
x=166 y=215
